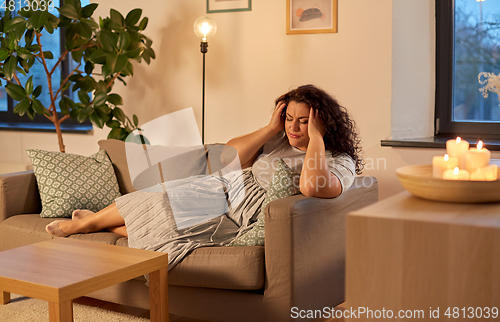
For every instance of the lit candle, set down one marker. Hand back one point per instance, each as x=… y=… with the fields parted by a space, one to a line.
x=458 y=148
x=488 y=173
x=441 y=164
x=477 y=158
x=456 y=174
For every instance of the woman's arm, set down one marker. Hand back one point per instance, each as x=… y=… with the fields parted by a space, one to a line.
x=249 y=145
x=316 y=180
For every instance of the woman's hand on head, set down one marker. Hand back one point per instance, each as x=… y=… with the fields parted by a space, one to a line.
x=277 y=122
x=315 y=124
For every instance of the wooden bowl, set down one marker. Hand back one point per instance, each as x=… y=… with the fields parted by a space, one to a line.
x=418 y=180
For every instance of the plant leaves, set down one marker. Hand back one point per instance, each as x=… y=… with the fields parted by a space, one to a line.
x=118 y=113
x=136 y=120
x=21 y=70
x=128 y=70
x=49 y=26
x=13 y=24
x=33 y=48
x=90 y=22
x=9 y=67
x=84 y=30
x=115 y=99
x=15 y=91
x=116 y=17
x=22 y=107
x=123 y=40
x=81 y=116
x=31 y=112
x=96 y=120
x=38 y=106
x=144 y=23
x=69 y=11
x=77 y=55
x=84 y=97
x=37 y=20
x=133 y=17
x=118 y=134
x=4 y=53
x=105 y=71
x=29 y=86
x=37 y=91
x=134 y=53
x=48 y=55
x=113 y=124
x=98 y=56
x=100 y=98
x=108 y=40
x=24 y=54
x=121 y=63
x=63 y=106
x=89 y=67
x=29 y=36
x=111 y=60
x=88 y=10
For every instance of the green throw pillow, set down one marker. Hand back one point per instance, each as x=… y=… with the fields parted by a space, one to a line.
x=68 y=181
x=284 y=183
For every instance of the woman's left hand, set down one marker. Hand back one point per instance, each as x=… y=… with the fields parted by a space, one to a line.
x=315 y=124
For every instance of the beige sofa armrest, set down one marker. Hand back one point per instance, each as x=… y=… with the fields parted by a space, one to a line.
x=305 y=247
x=18 y=194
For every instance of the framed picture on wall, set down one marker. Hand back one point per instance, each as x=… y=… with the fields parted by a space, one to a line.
x=311 y=16
x=214 y=6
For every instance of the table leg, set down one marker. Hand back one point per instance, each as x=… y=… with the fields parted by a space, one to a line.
x=5 y=298
x=158 y=295
x=61 y=312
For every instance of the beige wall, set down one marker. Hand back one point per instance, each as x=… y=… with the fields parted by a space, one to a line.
x=251 y=61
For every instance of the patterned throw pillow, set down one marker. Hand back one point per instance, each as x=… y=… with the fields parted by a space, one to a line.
x=284 y=183
x=68 y=181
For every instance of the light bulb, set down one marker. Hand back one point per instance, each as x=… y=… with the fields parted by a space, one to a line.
x=204 y=28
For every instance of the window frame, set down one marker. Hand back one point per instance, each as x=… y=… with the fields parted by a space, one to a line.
x=11 y=121
x=444 y=126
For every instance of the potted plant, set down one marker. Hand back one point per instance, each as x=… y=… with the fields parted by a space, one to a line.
x=102 y=53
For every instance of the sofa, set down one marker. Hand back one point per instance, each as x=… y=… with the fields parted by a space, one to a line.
x=301 y=266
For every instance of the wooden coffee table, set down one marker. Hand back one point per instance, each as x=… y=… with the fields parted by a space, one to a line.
x=62 y=269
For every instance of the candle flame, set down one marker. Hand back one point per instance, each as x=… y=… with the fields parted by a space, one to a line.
x=456 y=171
x=459 y=139
x=446 y=157
x=479 y=145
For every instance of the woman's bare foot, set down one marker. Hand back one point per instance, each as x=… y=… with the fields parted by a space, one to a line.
x=54 y=229
x=80 y=214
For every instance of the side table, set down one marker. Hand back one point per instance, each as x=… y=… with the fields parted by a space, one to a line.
x=60 y=270
x=411 y=254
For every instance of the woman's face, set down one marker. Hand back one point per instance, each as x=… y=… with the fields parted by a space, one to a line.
x=296 y=119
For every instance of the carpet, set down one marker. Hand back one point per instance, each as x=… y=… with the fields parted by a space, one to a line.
x=24 y=309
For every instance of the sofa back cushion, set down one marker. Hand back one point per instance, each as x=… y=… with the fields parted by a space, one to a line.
x=192 y=162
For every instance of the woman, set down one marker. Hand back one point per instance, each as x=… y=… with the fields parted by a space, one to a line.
x=308 y=129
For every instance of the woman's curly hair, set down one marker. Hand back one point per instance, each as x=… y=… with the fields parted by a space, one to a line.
x=341 y=136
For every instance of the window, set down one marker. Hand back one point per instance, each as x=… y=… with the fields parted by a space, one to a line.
x=54 y=43
x=467 y=43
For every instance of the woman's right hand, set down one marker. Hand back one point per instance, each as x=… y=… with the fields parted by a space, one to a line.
x=277 y=122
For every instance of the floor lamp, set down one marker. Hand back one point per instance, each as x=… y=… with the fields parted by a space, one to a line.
x=204 y=28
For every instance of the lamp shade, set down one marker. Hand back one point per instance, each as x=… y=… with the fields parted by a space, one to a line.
x=204 y=28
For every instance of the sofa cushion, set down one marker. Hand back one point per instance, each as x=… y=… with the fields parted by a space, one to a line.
x=70 y=181
x=181 y=163
x=239 y=268
x=29 y=229
x=284 y=183
x=116 y=153
x=234 y=268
